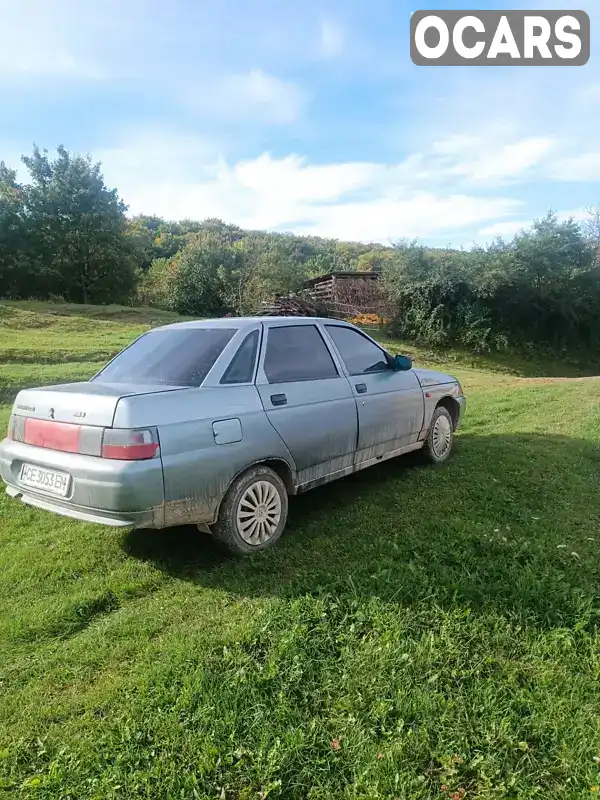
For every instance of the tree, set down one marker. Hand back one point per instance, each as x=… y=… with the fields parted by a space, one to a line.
x=551 y=252
x=143 y=233
x=375 y=260
x=78 y=229
x=539 y=289
x=15 y=259
x=204 y=275
x=591 y=230
x=64 y=233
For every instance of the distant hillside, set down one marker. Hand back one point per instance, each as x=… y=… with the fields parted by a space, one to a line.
x=37 y=313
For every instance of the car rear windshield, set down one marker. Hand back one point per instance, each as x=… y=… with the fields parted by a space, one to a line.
x=176 y=357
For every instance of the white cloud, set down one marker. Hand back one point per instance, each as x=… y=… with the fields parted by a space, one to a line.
x=496 y=155
x=47 y=40
x=419 y=215
x=505 y=229
x=254 y=95
x=35 y=60
x=162 y=156
x=456 y=144
x=349 y=200
x=331 y=39
x=584 y=167
x=511 y=124
x=496 y=161
x=509 y=228
x=578 y=214
x=291 y=179
x=485 y=158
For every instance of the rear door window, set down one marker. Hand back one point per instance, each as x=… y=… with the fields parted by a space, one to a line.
x=175 y=357
x=297 y=353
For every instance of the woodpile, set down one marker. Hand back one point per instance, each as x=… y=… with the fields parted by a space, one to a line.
x=342 y=295
x=290 y=306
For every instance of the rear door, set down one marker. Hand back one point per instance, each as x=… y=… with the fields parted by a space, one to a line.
x=390 y=402
x=308 y=399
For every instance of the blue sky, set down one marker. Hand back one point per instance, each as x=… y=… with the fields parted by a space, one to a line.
x=307 y=116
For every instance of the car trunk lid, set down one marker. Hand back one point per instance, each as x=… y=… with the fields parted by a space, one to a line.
x=91 y=403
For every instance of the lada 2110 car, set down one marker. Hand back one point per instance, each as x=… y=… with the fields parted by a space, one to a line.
x=216 y=422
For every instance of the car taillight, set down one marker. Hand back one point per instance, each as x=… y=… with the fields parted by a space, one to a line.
x=129 y=445
x=16 y=428
x=86 y=440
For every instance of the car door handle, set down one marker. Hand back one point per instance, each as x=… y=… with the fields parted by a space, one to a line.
x=278 y=399
x=361 y=388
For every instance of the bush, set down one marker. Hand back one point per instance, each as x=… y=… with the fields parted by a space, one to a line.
x=542 y=288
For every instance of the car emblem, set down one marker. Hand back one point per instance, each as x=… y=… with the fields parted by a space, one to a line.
x=51 y=413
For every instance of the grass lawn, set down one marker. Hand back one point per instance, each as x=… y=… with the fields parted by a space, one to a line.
x=417 y=633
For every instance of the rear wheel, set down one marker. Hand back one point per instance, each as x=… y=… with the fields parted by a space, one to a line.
x=254 y=512
x=440 y=437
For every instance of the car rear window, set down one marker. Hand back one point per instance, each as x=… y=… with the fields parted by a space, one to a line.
x=176 y=357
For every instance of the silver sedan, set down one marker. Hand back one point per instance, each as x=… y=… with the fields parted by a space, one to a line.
x=216 y=423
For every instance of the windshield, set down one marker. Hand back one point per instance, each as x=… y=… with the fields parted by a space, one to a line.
x=176 y=357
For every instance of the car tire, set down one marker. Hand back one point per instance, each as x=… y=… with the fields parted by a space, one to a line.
x=253 y=513
x=440 y=437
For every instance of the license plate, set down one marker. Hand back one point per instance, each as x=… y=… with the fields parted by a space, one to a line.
x=45 y=480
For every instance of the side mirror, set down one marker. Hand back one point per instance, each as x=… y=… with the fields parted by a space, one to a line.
x=402 y=363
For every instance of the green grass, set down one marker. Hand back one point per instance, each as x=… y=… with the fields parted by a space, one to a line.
x=36 y=333
x=414 y=629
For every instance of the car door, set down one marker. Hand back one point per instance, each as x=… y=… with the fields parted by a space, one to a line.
x=390 y=402
x=308 y=399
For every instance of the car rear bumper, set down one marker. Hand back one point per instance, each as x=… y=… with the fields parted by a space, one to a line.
x=139 y=519
x=105 y=491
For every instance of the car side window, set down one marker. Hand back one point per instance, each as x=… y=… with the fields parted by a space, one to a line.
x=241 y=366
x=360 y=355
x=297 y=353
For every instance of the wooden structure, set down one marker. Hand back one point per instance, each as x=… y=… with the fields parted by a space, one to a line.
x=339 y=294
x=335 y=285
x=346 y=294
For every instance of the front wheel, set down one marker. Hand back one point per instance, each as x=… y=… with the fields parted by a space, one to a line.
x=440 y=437
x=254 y=512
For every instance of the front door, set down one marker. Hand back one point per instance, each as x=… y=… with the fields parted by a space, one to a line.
x=308 y=400
x=390 y=402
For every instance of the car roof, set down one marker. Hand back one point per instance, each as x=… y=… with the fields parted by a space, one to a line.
x=242 y=322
